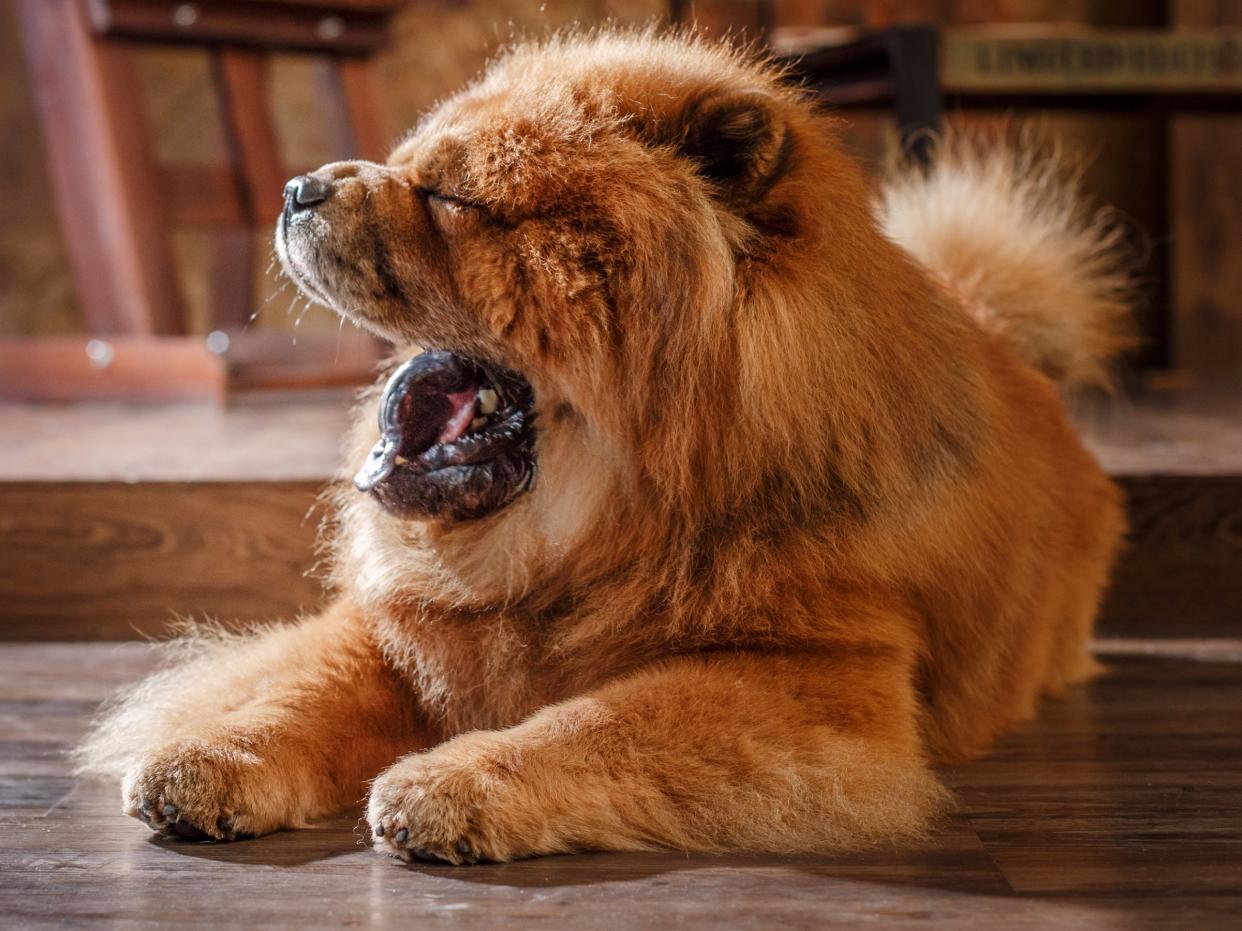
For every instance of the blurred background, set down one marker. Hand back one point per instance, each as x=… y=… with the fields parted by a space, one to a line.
x=169 y=408
x=1165 y=173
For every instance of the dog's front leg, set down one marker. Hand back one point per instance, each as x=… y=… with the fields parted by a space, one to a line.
x=248 y=734
x=727 y=751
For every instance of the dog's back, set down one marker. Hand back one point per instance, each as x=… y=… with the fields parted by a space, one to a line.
x=1028 y=550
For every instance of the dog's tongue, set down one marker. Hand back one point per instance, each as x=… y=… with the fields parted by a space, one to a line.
x=462 y=404
x=428 y=400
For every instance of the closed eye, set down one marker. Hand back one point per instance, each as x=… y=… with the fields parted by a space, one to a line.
x=445 y=207
x=453 y=200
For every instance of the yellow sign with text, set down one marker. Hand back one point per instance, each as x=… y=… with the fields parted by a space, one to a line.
x=1106 y=62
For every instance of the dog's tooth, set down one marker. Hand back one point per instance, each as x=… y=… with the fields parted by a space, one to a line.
x=400 y=459
x=488 y=402
x=477 y=422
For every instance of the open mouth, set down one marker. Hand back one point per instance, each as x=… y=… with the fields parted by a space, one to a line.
x=456 y=439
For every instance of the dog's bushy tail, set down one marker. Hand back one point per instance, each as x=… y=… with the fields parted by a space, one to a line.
x=1004 y=226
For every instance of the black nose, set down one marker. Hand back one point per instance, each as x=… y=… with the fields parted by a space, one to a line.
x=305 y=191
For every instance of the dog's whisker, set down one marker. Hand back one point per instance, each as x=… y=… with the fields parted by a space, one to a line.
x=277 y=293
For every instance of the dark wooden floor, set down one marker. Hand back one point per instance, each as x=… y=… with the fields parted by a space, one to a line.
x=1119 y=808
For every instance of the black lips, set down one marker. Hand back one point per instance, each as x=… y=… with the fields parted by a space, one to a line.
x=414 y=476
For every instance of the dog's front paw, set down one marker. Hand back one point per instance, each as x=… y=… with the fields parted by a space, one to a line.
x=198 y=790
x=460 y=803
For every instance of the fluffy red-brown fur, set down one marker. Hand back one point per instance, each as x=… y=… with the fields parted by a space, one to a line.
x=802 y=527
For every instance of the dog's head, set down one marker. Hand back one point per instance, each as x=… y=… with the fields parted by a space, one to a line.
x=598 y=242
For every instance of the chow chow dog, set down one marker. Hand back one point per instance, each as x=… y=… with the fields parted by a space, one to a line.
x=713 y=500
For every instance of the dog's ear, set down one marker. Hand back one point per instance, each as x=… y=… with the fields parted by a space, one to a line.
x=739 y=142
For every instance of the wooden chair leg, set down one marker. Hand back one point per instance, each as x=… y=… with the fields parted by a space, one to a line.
x=241 y=81
x=356 y=125
x=232 y=282
x=241 y=86
x=914 y=59
x=103 y=174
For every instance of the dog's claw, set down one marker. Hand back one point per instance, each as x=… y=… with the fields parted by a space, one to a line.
x=170 y=809
x=401 y=836
x=379 y=830
x=189 y=831
x=464 y=848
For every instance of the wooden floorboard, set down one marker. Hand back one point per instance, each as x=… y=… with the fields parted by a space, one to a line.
x=1120 y=807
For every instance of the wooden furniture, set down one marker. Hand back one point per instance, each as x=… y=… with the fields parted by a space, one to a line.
x=922 y=71
x=117 y=207
x=898 y=68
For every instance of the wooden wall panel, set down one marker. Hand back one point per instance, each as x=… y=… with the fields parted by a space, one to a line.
x=112 y=561
x=1206 y=155
x=1181 y=573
